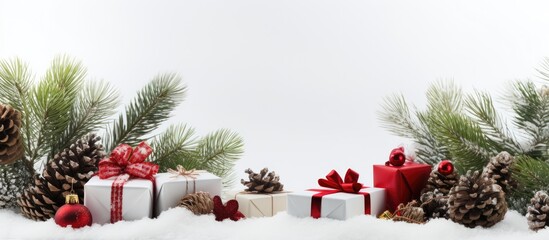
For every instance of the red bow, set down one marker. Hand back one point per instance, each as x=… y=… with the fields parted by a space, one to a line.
x=229 y=210
x=125 y=160
x=333 y=180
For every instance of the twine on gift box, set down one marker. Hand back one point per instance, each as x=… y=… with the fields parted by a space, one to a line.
x=192 y=174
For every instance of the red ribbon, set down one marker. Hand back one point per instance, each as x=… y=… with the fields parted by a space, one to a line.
x=126 y=163
x=334 y=181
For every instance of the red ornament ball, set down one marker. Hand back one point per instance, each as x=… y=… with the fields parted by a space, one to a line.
x=74 y=214
x=397 y=157
x=445 y=167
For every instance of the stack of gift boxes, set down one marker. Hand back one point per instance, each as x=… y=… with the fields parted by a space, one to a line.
x=337 y=197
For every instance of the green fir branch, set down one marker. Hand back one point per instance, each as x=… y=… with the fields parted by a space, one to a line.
x=175 y=146
x=95 y=103
x=480 y=105
x=530 y=175
x=531 y=107
x=217 y=152
x=152 y=106
x=53 y=99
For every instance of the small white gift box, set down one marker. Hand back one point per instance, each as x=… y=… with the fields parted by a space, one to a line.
x=260 y=204
x=137 y=199
x=339 y=205
x=170 y=188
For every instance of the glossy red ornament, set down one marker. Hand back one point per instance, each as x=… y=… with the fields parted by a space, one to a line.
x=397 y=157
x=72 y=213
x=445 y=167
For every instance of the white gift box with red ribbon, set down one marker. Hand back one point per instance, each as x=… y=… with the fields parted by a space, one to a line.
x=170 y=188
x=137 y=199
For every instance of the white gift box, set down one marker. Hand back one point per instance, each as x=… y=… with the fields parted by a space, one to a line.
x=260 y=205
x=338 y=205
x=137 y=199
x=170 y=188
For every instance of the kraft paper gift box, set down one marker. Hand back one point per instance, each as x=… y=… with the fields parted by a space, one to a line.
x=402 y=183
x=170 y=188
x=338 y=205
x=260 y=204
x=137 y=199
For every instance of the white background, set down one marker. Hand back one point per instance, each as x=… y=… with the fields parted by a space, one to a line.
x=301 y=81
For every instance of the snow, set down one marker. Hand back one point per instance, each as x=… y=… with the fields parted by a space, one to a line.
x=179 y=223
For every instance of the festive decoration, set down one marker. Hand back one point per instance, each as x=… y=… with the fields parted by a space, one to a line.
x=356 y=199
x=125 y=163
x=176 y=184
x=434 y=204
x=538 y=211
x=402 y=184
x=70 y=107
x=443 y=182
x=73 y=213
x=445 y=167
x=262 y=182
x=476 y=201
x=499 y=169
x=198 y=203
x=261 y=205
x=411 y=213
x=229 y=210
x=470 y=130
x=397 y=157
x=11 y=147
x=71 y=168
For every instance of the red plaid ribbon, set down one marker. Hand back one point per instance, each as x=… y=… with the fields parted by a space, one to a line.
x=125 y=163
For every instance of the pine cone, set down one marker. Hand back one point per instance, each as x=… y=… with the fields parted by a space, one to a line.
x=538 y=211
x=476 y=201
x=72 y=167
x=499 y=169
x=14 y=178
x=11 y=145
x=434 y=204
x=411 y=213
x=443 y=183
x=199 y=203
x=262 y=182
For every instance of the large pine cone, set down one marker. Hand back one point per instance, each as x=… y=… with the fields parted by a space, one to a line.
x=499 y=169
x=538 y=211
x=434 y=204
x=14 y=178
x=73 y=166
x=443 y=183
x=199 y=203
x=262 y=182
x=476 y=201
x=11 y=145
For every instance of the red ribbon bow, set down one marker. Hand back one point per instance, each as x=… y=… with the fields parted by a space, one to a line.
x=333 y=180
x=126 y=163
x=125 y=160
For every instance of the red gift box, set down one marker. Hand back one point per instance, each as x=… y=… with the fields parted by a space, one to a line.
x=403 y=183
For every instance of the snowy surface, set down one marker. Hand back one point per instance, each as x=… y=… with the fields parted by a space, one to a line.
x=181 y=224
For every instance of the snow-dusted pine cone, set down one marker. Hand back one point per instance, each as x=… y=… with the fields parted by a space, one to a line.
x=434 y=204
x=73 y=166
x=476 y=201
x=11 y=145
x=443 y=183
x=198 y=203
x=14 y=178
x=262 y=182
x=538 y=211
x=499 y=169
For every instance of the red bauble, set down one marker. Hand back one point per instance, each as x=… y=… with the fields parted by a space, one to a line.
x=74 y=214
x=397 y=157
x=445 y=167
